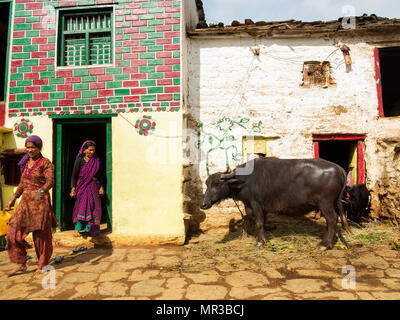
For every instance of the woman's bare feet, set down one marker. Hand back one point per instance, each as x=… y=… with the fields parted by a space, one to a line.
x=76 y=233
x=38 y=271
x=20 y=267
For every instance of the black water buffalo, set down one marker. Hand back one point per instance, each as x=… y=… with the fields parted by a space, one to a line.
x=283 y=185
x=357 y=202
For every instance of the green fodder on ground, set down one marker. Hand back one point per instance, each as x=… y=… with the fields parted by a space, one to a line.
x=370 y=234
x=287 y=239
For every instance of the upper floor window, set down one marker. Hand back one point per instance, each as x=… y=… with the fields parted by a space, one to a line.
x=85 y=37
x=256 y=146
x=387 y=68
x=317 y=73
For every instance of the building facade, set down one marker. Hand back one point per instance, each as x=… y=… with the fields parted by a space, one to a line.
x=169 y=100
x=297 y=90
x=110 y=71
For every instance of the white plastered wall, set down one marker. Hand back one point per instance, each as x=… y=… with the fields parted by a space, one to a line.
x=226 y=79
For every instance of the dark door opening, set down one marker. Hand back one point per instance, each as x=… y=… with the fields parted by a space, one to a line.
x=389 y=61
x=343 y=153
x=4 y=24
x=71 y=135
x=346 y=150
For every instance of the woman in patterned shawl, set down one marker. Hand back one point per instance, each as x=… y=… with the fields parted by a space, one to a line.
x=87 y=188
x=34 y=213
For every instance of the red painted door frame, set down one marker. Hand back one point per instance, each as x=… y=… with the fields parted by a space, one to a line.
x=378 y=80
x=337 y=137
x=316 y=149
x=360 y=162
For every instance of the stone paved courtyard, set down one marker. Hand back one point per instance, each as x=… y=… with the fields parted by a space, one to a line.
x=217 y=266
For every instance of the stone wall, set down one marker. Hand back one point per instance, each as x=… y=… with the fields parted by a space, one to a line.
x=386 y=201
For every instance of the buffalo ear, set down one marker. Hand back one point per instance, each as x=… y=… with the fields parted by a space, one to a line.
x=236 y=183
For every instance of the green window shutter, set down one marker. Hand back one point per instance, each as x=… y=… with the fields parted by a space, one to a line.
x=100 y=49
x=87 y=37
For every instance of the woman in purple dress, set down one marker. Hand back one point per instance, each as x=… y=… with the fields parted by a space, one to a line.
x=87 y=188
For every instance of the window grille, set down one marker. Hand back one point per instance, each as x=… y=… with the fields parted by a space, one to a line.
x=86 y=38
x=75 y=50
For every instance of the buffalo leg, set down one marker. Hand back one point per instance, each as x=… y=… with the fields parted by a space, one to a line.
x=259 y=217
x=248 y=219
x=342 y=215
x=331 y=221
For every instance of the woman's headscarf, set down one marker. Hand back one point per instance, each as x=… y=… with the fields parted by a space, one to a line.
x=38 y=142
x=88 y=171
x=80 y=153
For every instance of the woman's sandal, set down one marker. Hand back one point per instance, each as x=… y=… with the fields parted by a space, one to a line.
x=83 y=248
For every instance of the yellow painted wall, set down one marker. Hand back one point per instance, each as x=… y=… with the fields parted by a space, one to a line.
x=147 y=204
x=147 y=178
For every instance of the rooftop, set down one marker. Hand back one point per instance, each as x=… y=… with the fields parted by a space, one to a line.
x=370 y=24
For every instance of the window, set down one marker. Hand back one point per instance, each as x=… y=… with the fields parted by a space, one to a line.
x=85 y=37
x=256 y=146
x=387 y=64
x=317 y=73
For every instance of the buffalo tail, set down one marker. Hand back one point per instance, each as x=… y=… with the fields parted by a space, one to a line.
x=340 y=207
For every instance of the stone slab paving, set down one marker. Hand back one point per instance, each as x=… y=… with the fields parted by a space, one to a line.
x=191 y=272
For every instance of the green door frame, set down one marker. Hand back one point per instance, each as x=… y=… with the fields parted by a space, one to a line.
x=10 y=2
x=59 y=121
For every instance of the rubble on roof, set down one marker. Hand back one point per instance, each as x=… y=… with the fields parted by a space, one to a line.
x=360 y=21
x=364 y=22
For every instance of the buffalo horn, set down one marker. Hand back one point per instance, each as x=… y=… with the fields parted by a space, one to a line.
x=227 y=176
x=228 y=170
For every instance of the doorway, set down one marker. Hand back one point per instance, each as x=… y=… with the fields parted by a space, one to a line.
x=345 y=150
x=70 y=134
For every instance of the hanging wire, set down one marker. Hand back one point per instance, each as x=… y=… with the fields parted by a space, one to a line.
x=326 y=59
x=243 y=85
x=243 y=81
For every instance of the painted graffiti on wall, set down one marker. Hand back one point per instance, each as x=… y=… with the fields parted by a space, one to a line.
x=23 y=128
x=226 y=137
x=145 y=125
